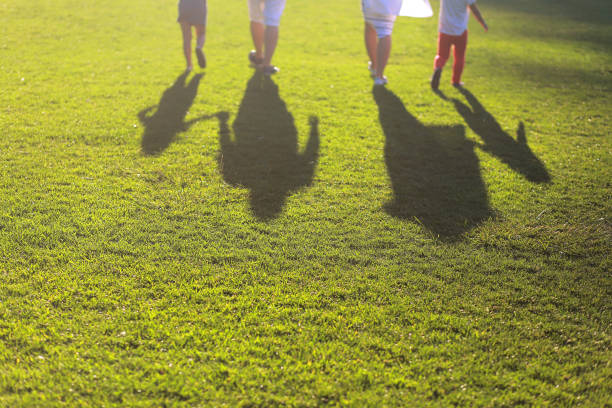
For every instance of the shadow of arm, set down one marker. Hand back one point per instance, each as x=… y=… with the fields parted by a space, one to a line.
x=143 y=117
x=224 y=132
x=310 y=156
x=227 y=151
x=311 y=153
x=191 y=122
x=521 y=137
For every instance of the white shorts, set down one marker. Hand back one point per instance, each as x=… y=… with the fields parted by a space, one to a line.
x=378 y=14
x=383 y=28
x=266 y=12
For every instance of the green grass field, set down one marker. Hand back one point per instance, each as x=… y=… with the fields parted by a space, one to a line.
x=223 y=239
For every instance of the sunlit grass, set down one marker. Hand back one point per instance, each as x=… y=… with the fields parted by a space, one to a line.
x=219 y=239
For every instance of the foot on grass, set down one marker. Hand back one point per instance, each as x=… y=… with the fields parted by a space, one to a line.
x=254 y=59
x=269 y=70
x=201 y=57
x=380 y=81
x=435 y=79
x=371 y=69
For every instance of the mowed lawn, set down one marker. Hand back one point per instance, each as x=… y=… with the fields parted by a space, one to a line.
x=224 y=239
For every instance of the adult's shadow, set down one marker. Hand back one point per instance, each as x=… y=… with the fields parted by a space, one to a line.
x=263 y=156
x=169 y=119
x=515 y=153
x=434 y=171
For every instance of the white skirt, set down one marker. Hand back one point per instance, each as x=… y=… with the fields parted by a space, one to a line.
x=381 y=15
x=381 y=8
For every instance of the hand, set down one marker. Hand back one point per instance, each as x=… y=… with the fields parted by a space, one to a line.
x=486 y=27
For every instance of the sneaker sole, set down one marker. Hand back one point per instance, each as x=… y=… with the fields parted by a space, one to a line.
x=435 y=79
x=254 y=60
x=201 y=58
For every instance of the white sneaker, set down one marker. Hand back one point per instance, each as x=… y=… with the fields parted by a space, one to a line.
x=371 y=69
x=270 y=70
x=380 y=81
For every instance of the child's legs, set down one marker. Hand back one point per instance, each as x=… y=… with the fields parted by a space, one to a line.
x=257 y=25
x=186 y=29
x=272 y=12
x=460 y=43
x=270 y=40
x=382 y=55
x=444 y=45
x=369 y=34
x=382 y=27
x=200 y=35
x=257 y=33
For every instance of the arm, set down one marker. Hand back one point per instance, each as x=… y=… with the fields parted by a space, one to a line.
x=478 y=16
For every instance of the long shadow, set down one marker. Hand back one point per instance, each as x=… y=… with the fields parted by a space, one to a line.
x=263 y=156
x=434 y=171
x=515 y=153
x=169 y=119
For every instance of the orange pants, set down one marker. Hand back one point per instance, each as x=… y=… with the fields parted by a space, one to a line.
x=445 y=42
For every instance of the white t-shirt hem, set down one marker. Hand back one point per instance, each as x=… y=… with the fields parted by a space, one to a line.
x=454 y=16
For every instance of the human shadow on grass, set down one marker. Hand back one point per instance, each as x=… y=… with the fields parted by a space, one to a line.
x=264 y=156
x=169 y=119
x=515 y=153
x=434 y=171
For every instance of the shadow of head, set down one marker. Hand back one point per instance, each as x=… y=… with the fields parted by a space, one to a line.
x=263 y=155
x=514 y=153
x=434 y=171
x=168 y=120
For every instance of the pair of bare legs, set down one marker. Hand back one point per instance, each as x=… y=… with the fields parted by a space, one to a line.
x=378 y=49
x=187 y=36
x=265 y=38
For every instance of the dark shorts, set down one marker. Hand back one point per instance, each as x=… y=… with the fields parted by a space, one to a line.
x=192 y=12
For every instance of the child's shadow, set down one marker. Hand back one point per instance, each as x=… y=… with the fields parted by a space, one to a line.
x=434 y=171
x=263 y=156
x=169 y=118
x=515 y=153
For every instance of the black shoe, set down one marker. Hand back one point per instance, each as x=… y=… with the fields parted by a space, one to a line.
x=201 y=57
x=253 y=59
x=435 y=79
